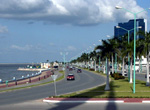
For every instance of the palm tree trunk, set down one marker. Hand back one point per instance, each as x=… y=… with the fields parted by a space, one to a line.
x=95 y=64
x=107 y=88
x=147 y=81
x=131 y=80
x=123 y=67
x=112 y=63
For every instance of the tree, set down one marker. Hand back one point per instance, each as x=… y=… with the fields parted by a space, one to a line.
x=130 y=51
x=121 y=50
x=113 y=44
x=146 y=48
x=106 y=52
x=140 y=52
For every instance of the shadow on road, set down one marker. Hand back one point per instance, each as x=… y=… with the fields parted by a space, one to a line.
x=111 y=105
x=94 y=93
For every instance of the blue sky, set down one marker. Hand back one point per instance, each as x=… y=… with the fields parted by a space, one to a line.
x=38 y=30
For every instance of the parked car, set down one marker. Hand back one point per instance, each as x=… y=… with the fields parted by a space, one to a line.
x=79 y=71
x=70 y=77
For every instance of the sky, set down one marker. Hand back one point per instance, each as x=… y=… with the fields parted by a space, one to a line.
x=33 y=31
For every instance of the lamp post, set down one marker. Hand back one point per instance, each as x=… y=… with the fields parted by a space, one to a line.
x=64 y=58
x=135 y=15
x=99 y=59
x=128 y=43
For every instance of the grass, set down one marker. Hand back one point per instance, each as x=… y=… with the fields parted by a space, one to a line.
x=34 y=85
x=118 y=89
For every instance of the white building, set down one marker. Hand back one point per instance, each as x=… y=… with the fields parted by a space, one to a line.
x=45 y=65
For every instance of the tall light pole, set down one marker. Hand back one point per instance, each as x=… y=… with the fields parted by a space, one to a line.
x=128 y=43
x=64 y=58
x=135 y=15
x=99 y=59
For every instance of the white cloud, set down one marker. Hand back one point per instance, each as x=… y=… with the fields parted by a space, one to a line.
x=3 y=29
x=70 y=48
x=74 y=12
x=25 y=48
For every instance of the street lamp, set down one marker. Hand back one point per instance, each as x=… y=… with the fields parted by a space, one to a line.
x=64 y=57
x=128 y=43
x=99 y=58
x=135 y=15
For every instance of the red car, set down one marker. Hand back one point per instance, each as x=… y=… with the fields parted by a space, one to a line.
x=70 y=77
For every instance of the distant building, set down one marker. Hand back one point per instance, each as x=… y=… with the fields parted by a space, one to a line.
x=118 y=32
x=45 y=65
x=55 y=64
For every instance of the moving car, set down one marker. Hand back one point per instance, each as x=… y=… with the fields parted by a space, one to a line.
x=73 y=68
x=70 y=69
x=70 y=77
x=79 y=71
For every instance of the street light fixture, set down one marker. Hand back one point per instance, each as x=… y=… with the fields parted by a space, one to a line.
x=118 y=7
x=135 y=15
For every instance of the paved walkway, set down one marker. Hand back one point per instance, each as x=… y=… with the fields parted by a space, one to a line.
x=36 y=79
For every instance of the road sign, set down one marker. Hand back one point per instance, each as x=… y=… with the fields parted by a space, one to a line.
x=54 y=77
x=63 y=69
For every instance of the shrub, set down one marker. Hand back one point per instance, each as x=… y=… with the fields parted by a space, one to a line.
x=92 y=69
x=117 y=76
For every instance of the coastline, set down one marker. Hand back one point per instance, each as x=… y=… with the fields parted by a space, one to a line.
x=44 y=75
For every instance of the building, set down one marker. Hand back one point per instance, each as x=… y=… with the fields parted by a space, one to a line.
x=45 y=65
x=118 y=32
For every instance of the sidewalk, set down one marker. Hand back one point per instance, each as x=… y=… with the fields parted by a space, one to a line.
x=97 y=100
x=35 y=80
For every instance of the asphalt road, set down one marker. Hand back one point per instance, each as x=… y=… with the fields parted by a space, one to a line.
x=82 y=81
x=39 y=105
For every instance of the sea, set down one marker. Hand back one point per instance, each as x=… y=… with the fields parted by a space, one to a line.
x=9 y=71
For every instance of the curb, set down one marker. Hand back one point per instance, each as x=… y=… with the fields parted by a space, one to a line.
x=97 y=100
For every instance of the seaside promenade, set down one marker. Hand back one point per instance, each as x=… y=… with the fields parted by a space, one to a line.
x=44 y=75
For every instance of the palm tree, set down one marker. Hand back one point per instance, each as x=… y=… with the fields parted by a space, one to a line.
x=93 y=57
x=106 y=52
x=146 y=49
x=140 y=52
x=113 y=44
x=121 y=51
x=130 y=51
